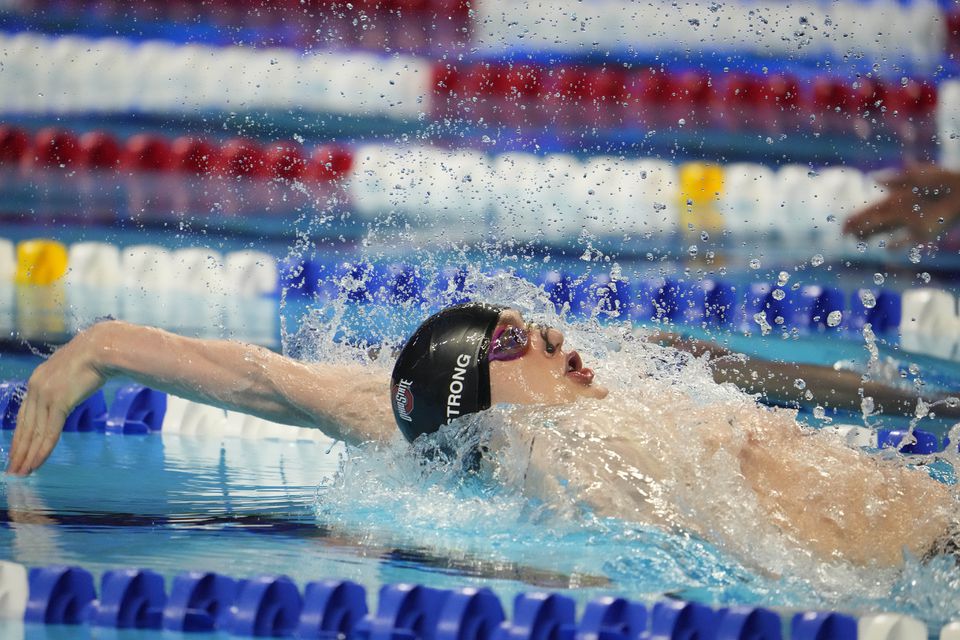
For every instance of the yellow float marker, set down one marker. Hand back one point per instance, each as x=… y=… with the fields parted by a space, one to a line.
x=40 y=262
x=701 y=185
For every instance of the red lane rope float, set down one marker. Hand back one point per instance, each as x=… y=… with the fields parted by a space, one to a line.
x=52 y=147
x=742 y=99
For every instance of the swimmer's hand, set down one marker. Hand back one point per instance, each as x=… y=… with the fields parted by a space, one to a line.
x=922 y=201
x=58 y=385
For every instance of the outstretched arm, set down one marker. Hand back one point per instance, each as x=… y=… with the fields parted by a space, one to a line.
x=346 y=402
x=777 y=381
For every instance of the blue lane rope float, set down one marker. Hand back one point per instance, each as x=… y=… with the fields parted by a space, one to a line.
x=199 y=602
x=272 y=606
x=89 y=415
x=136 y=409
x=11 y=395
x=129 y=599
x=815 y=625
x=59 y=595
x=756 y=623
x=609 y=618
x=719 y=303
x=331 y=608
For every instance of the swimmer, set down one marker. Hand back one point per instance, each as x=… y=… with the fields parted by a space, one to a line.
x=643 y=453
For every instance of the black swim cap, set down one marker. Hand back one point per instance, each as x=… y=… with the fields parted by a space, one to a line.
x=442 y=371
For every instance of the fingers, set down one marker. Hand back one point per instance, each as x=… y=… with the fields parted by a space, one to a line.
x=25 y=431
x=45 y=439
x=922 y=175
x=39 y=423
x=886 y=215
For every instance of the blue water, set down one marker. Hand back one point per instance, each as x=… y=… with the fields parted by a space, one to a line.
x=244 y=508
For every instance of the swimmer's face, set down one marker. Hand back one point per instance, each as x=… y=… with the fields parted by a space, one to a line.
x=544 y=374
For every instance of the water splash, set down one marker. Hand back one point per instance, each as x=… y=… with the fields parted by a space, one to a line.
x=647 y=490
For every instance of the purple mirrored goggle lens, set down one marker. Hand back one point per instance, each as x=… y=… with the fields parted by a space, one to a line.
x=508 y=343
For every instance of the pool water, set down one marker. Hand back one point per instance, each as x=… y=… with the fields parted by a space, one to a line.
x=173 y=503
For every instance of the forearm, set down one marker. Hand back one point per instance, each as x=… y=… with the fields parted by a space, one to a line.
x=346 y=404
x=778 y=381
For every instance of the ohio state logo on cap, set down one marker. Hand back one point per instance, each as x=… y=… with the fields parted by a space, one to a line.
x=403 y=399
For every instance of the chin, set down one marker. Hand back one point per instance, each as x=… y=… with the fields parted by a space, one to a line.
x=599 y=391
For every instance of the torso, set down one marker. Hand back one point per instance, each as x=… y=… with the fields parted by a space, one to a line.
x=745 y=476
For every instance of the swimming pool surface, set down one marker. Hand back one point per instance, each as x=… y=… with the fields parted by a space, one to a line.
x=309 y=510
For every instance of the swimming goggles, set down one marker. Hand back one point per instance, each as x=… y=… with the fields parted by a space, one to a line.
x=510 y=342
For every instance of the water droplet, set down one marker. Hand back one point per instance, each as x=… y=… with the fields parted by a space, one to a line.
x=754 y=264
x=761 y=319
x=952 y=402
x=693 y=251
x=867 y=299
x=800 y=384
x=704 y=236
x=914 y=255
x=819 y=412
x=816 y=260
x=778 y=294
x=924 y=277
x=681 y=122
x=913 y=369
x=834 y=318
x=878 y=279
x=782 y=278
x=861 y=247
x=867 y=406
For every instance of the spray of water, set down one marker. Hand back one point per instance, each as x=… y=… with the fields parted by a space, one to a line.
x=651 y=488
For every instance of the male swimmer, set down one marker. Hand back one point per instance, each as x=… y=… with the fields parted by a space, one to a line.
x=642 y=454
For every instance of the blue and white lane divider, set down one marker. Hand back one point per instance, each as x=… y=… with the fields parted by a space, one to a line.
x=758 y=305
x=140 y=410
x=273 y=606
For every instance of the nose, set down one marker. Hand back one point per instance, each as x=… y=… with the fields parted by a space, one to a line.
x=553 y=339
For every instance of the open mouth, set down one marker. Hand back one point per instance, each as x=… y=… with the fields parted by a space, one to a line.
x=576 y=371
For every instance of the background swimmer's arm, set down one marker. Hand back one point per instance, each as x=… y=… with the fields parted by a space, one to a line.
x=777 y=381
x=346 y=402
